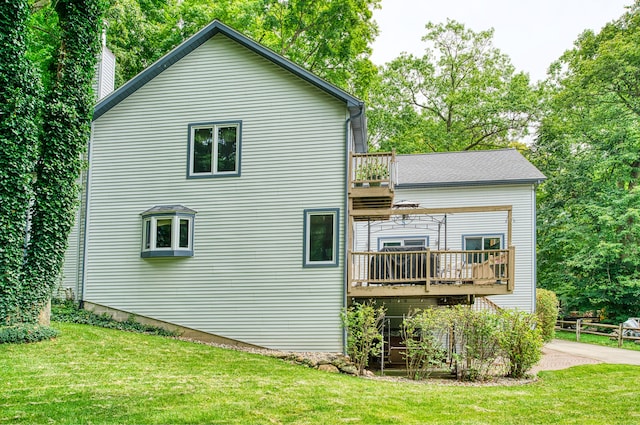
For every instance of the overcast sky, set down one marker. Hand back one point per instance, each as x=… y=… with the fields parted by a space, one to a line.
x=533 y=33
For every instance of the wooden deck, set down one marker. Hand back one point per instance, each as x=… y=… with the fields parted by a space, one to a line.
x=427 y=272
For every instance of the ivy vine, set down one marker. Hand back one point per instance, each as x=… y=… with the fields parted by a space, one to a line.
x=29 y=277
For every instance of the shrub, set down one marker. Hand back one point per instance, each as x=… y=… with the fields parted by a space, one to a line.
x=521 y=341
x=423 y=335
x=476 y=340
x=547 y=312
x=25 y=333
x=362 y=323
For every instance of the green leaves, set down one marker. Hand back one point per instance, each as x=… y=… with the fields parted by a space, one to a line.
x=589 y=148
x=462 y=94
x=330 y=39
x=42 y=142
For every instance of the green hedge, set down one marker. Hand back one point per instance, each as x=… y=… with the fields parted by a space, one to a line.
x=25 y=333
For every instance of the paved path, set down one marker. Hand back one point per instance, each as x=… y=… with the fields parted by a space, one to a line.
x=560 y=354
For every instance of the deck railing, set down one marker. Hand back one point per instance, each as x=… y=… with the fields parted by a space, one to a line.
x=431 y=267
x=373 y=169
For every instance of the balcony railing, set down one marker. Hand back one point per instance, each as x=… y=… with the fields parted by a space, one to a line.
x=373 y=170
x=422 y=272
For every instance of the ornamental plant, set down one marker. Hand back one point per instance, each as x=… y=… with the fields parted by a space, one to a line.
x=521 y=341
x=547 y=312
x=372 y=170
x=423 y=335
x=364 y=340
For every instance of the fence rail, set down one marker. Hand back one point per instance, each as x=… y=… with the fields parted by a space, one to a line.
x=588 y=326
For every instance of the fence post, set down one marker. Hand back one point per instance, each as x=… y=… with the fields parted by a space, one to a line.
x=578 y=324
x=620 y=337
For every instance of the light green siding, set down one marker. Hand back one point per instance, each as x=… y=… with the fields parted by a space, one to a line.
x=245 y=280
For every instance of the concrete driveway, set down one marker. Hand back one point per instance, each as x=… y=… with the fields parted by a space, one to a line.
x=559 y=354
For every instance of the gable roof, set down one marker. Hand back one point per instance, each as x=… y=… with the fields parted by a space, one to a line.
x=355 y=105
x=467 y=168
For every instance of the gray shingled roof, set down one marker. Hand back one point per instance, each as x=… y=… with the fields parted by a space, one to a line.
x=466 y=168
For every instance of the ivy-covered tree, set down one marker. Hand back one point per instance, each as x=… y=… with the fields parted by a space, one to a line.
x=589 y=148
x=19 y=100
x=462 y=94
x=42 y=149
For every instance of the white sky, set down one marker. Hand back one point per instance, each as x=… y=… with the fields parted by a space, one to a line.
x=533 y=33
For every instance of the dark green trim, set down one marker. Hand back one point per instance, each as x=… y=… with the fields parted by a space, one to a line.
x=336 y=239
x=167 y=253
x=211 y=175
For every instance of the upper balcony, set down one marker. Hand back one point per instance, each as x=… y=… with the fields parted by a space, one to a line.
x=372 y=177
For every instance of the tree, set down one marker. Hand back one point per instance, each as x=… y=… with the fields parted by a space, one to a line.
x=29 y=276
x=589 y=148
x=462 y=94
x=330 y=39
x=19 y=101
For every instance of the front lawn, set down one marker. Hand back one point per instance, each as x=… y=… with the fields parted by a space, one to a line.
x=104 y=376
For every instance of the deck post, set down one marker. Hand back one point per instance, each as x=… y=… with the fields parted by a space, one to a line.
x=512 y=268
x=427 y=285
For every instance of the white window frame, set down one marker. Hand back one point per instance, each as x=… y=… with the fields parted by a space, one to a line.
x=483 y=236
x=150 y=234
x=334 y=262
x=214 y=126
x=402 y=240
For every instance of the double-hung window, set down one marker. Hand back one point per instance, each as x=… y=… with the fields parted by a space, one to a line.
x=167 y=231
x=214 y=149
x=321 y=238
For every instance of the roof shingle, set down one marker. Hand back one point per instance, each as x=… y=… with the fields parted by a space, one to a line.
x=503 y=166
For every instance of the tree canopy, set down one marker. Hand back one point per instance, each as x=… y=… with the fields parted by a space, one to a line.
x=330 y=39
x=589 y=148
x=461 y=94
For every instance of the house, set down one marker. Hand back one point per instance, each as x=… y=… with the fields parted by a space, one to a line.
x=224 y=195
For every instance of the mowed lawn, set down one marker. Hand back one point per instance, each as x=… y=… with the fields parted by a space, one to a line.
x=101 y=376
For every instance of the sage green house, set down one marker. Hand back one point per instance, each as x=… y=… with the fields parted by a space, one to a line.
x=230 y=192
x=216 y=194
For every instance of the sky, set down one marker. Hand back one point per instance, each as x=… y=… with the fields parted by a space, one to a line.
x=533 y=33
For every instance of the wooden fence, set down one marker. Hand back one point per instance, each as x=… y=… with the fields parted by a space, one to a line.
x=588 y=326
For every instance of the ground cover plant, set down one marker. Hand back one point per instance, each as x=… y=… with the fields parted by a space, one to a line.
x=105 y=376
x=597 y=339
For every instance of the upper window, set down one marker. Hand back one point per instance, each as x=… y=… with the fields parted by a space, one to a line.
x=167 y=231
x=214 y=149
x=321 y=238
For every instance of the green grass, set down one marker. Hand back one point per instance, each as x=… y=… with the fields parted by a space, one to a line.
x=596 y=339
x=104 y=376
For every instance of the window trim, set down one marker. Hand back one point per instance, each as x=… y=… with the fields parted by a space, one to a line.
x=383 y=239
x=175 y=250
x=335 y=261
x=483 y=236
x=214 y=125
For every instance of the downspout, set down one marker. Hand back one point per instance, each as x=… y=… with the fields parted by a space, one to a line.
x=85 y=235
x=535 y=246
x=347 y=140
x=346 y=230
